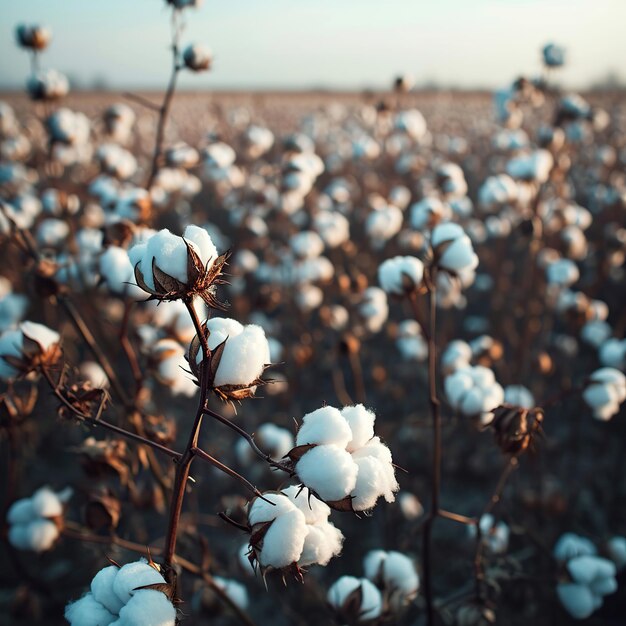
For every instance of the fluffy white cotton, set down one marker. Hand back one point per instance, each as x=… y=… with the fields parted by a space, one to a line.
x=325 y=425
x=172 y=367
x=88 y=612
x=118 y=273
x=474 y=392
x=42 y=335
x=361 y=423
x=322 y=542
x=394 y=570
x=102 y=589
x=133 y=575
x=457 y=355
x=147 y=607
x=376 y=475
x=329 y=471
x=272 y=439
x=374 y=309
x=245 y=354
x=333 y=228
x=616 y=549
x=263 y=511
x=453 y=248
x=234 y=590
x=518 y=395
x=494 y=535
x=383 y=224
x=371 y=599
x=400 y=274
x=315 y=511
x=284 y=540
x=613 y=353
x=571 y=545
x=410 y=341
x=562 y=272
x=605 y=391
x=307 y=244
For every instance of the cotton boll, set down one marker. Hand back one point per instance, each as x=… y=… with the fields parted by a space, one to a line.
x=457 y=355
x=92 y=373
x=518 y=395
x=371 y=599
x=102 y=589
x=234 y=590
x=245 y=354
x=204 y=244
x=307 y=245
x=571 y=545
x=361 y=423
x=52 y=233
x=398 y=572
x=562 y=273
x=42 y=335
x=133 y=575
x=326 y=425
x=274 y=440
x=263 y=511
x=410 y=506
x=381 y=475
x=315 y=511
x=308 y=298
x=333 y=228
x=41 y=535
x=329 y=471
x=595 y=333
x=613 y=353
x=118 y=273
x=46 y=503
x=147 y=607
x=370 y=484
x=284 y=540
x=400 y=274
x=616 y=548
x=21 y=511
x=323 y=541
x=578 y=600
x=88 y=612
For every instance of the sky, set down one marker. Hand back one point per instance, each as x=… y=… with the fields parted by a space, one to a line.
x=336 y=44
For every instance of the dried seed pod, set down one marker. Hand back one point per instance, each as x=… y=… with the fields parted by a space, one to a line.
x=515 y=427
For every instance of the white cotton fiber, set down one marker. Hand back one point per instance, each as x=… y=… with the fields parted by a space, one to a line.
x=147 y=607
x=134 y=575
x=263 y=511
x=323 y=542
x=42 y=534
x=325 y=425
x=329 y=471
x=204 y=245
x=578 y=600
x=245 y=354
x=284 y=540
x=46 y=503
x=234 y=590
x=102 y=589
x=361 y=422
x=371 y=483
x=21 y=511
x=371 y=602
x=399 y=573
x=41 y=334
x=315 y=511
x=88 y=612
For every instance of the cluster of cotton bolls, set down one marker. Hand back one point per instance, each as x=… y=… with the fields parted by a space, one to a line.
x=340 y=460
x=34 y=523
x=494 y=534
x=122 y=596
x=395 y=575
x=474 y=392
x=289 y=528
x=604 y=392
x=586 y=577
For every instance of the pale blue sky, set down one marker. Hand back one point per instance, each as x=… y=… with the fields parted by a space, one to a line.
x=333 y=43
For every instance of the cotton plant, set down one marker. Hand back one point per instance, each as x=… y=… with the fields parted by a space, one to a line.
x=355 y=600
x=340 y=460
x=129 y=595
x=27 y=347
x=474 y=392
x=238 y=354
x=586 y=581
x=35 y=523
x=288 y=531
x=401 y=275
x=494 y=534
x=395 y=575
x=604 y=392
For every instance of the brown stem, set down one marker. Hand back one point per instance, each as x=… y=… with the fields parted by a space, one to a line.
x=141 y=100
x=182 y=470
x=456 y=517
x=357 y=374
x=127 y=346
x=479 y=574
x=436 y=466
x=167 y=101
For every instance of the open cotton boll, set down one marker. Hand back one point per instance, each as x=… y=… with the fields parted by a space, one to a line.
x=616 y=549
x=371 y=599
x=263 y=511
x=284 y=540
x=118 y=273
x=322 y=542
x=307 y=244
x=169 y=254
x=88 y=612
x=394 y=570
x=326 y=425
x=204 y=245
x=40 y=535
x=52 y=232
x=329 y=471
x=333 y=228
x=40 y=334
x=274 y=440
x=613 y=353
x=234 y=590
x=21 y=511
x=457 y=355
x=372 y=563
x=591 y=570
x=562 y=272
x=102 y=589
x=308 y=297
x=245 y=354
x=400 y=274
x=133 y=575
x=46 y=503
x=578 y=600
x=571 y=545
x=147 y=607
x=371 y=483
x=92 y=373
x=315 y=511
x=518 y=395
x=361 y=423
x=494 y=535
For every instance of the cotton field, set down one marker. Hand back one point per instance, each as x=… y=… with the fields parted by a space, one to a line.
x=311 y=358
